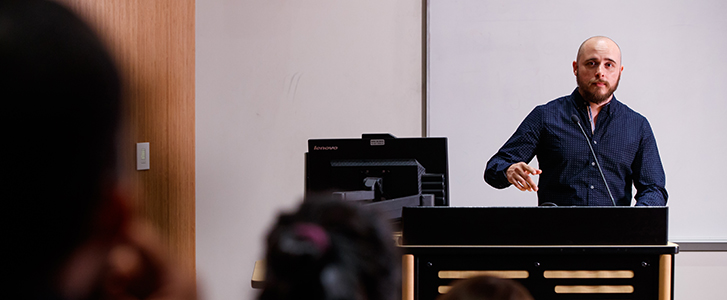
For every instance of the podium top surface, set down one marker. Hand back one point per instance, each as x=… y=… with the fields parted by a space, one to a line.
x=575 y=225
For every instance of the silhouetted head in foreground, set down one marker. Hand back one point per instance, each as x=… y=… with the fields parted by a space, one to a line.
x=60 y=111
x=331 y=250
x=486 y=288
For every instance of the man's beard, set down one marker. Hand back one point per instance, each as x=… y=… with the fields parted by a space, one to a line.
x=590 y=96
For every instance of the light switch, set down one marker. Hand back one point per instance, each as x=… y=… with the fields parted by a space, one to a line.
x=142 y=156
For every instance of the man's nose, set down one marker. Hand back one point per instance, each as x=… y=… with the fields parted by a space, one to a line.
x=599 y=71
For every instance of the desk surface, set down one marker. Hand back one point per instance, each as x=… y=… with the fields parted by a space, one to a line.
x=669 y=248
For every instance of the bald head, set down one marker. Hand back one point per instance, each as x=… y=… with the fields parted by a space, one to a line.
x=599 y=43
x=598 y=69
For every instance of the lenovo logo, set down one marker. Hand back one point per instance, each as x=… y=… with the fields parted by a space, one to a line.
x=325 y=147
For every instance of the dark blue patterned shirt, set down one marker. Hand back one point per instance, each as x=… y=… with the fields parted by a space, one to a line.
x=623 y=142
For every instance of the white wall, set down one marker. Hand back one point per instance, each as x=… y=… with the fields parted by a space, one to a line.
x=700 y=275
x=270 y=75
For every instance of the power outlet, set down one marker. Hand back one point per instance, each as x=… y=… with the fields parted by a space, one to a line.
x=142 y=156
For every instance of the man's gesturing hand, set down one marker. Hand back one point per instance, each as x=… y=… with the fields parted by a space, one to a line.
x=519 y=175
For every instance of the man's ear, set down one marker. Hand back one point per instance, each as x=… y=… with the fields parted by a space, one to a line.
x=575 y=68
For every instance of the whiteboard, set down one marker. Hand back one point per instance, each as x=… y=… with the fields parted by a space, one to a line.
x=489 y=63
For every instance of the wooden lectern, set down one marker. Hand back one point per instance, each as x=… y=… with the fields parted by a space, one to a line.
x=555 y=252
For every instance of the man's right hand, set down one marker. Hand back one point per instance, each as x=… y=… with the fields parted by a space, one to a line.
x=519 y=175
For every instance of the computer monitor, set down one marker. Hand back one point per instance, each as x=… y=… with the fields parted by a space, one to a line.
x=378 y=167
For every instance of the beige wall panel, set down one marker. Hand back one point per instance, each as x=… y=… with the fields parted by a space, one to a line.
x=153 y=44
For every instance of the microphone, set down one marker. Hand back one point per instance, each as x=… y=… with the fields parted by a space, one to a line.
x=575 y=119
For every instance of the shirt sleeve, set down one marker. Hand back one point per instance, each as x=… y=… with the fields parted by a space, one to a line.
x=519 y=148
x=649 y=177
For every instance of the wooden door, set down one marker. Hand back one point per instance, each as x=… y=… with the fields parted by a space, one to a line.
x=153 y=44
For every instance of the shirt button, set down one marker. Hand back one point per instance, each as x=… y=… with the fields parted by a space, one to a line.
x=591 y=187
x=594 y=142
x=593 y=163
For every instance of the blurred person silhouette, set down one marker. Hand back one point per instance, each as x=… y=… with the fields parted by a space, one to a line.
x=69 y=230
x=332 y=250
x=486 y=288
